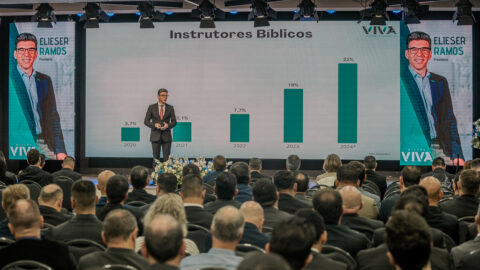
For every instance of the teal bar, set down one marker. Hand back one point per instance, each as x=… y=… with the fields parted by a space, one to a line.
x=347 y=102
x=293 y=116
x=239 y=128
x=130 y=134
x=182 y=132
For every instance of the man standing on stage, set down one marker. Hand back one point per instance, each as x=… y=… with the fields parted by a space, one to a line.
x=161 y=119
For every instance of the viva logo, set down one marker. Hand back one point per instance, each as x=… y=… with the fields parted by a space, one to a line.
x=379 y=30
x=416 y=157
x=20 y=151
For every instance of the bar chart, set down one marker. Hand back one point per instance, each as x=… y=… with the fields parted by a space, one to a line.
x=293 y=116
x=182 y=132
x=347 y=102
x=240 y=128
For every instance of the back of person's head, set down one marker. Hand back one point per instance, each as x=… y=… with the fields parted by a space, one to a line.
x=118 y=226
x=411 y=175
x=190 y=169
x=69 y=161
x=117 y=188
x=255 y=164
x=360 y=169
x=475 y=165
x=312 y=217
x=292 y=239
x=332 y=163
x=24 y=214
x=347 y=174
x=470 y=182
x=412 y=203
x=219 y=163
x=84 y=195
x=284 y=180
x=263 y=261
x=167 y=204
x=33 y=156
x=408 y=239
x=264 y=192
x=302 y=181
x=139 y=177
x=370 y=162
x=163 y=238
x=103 y=177
x=432 y=186
x=167 y=182
x=293 y=163
x=240 y=170
x=225 y=186
x=468 y=164
x=252 y=212
x=351 y=199
x=438 y=162
x=3 y=166
x=192 y=186
x=227 y=224
x=14 y=193
x=328 y=203
x=50 y=194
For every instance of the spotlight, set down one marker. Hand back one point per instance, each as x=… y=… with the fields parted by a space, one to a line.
x=413 y=11
x=464 y=13
x=93 y=14
x=207 y=11
x=44 y=16
x=307 y=9
x=379 y=12
x=148 y=14
x=261 y=11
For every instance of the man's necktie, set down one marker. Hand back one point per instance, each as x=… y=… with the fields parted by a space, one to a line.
x=161 y=111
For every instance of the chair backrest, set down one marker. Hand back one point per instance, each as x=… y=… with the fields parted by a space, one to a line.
x=81 y=247
x=267 y=230
x=197 y=234
x=3 y=215
x=393 y=186
x=467 y=219
x=390 y=194
x=243 y=249
x=310 y=192
x=26 y=264
x=2 y=184
x=47 y=227
x=341 y=255
x=34 y=189
x=448 y=242
x=4 y=242
x=371 y=187
x=119 y=267
x=136 y=203
x=65 y=183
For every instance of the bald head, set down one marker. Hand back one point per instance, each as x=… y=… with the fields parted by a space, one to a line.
x=433 y=187
x=50 y=195
x=24 y=218
x=164 y=238
x=103 y=179
x=352 y=200
x=227 y=224
x=252 y=212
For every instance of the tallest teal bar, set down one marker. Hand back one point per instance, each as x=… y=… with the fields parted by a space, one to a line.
x=293 y=116
x=347 y=102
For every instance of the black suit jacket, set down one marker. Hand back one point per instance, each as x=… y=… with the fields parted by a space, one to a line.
x=445 y=222
x=463 y=206
x=254 y=176
x=112 y=256
x=289 y=204
x=464 y=249
x=378 y=179
x=140 y=195
x=363 y=225
x=376 y=258
x=52 y=216
x=251 y=235
x=347 y=239
x=80 y=226
x=272 y=216
x=470 y=261
x=9 y=179
x=158 y=266
x=103 y=212
x=153 y=116
x=321 y=261
x=214 y=206
x=199 y=216
x=68 y=173
x=36 y=174
x=439 y=171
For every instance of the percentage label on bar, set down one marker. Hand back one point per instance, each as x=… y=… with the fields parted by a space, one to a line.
x=129 y=123
x=182 y=117
x=348 y=59
x=292 y=84
x=239 y=110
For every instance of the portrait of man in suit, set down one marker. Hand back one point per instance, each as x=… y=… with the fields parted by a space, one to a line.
x=37 y=99
x=160 y=118
x=430 y=96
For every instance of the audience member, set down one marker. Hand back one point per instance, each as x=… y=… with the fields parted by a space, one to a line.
x=225 y=188
x=476 y=165
x=8 y=178
x=252 y=232
x=464 y=249
x=119 y=235
x=227 y=230
x=50 y=205
x=287 y=187
x=219 y=165
x=263 y=261
x=467 y=203
x=166 y=183
x=68 y=167
x=330 y=166
x=362 y=178
x=240 y=170
x=10 y=195
x=370 y=170
x=302 y=186
x=265 y=193
x=34 y=171
x=255 y=168
x=102 y=187
x=293 y=163
x=193 y=195
x=190 y=169
x=139 y=176
x=25 y=223
x=439 y=171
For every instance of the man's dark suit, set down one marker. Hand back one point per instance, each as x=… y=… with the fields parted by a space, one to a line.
x=36 y=174
x=52 y=216
x=80 y=226
x=345 y=238
x=68 y=173
x=445 y=222
x=289 y=204
x=160 y=138
x=379 y=180
x=140 y=195
x=112 y=256
x=470 y=261
x=254 y=176
x=439 y=171
x=321 y=261
x=363 y=225
x=251 y=235
x=376 y=258
x=437 y=237
x=272 y=216
x=462 y=250
x=199 y=216
x=103 y=212
x=463 y=206
x=159 y=266
x=386 y=207
x=214 y=206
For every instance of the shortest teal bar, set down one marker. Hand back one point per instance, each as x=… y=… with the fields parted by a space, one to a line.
x=239 y=128
x=182 y=132
x=130 y=134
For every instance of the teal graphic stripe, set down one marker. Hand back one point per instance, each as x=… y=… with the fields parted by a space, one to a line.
x=347 y=102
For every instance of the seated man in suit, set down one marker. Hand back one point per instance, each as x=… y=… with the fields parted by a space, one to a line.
x=68 y=167
x=225 y=188
x=265 y=193
x=193 y=195
x=50 y=205
x=352 y=203
x=84 y=224
x=293 y=163
x=328 y=203
x=166 y=183
x=119 y=234
x=34 y=171
x=101 y=186
x=219 y=165
x=10 y=195
x=293 y=239
x=139 y=177
x=439 y=171
x=240 y=170
x=255 y=168
x=252 y=232
x=464 y=249
x=362 y=176
x=467 y=204
x=257 y=260
x=25 y=224
x=319 y=260
x=287 y=187
x=302 y=186
x=370 y=170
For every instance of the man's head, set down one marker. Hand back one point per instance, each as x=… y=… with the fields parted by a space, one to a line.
x=139 y=177
x=25 y=51
x=316 y=220
x=69 y=163
x=433 y=187
x=410 y=176
x=302 y=182
x=226 y=186
x=227 y=225
x=438 y=162
x=52 y=196
x=219 y=163
x=120 y=228
x=162 y=95
x=360 y=170
x=293 y=163
x=263 y=261
x=33 y=157
x=292 y=239
x=102 y=181
x=408 y=239
x=332 y=163
x=24 y=219
x=14 y=193
x=163 y=240
x=470 y=181
x=253 y=213
x=352 y=200
x=285 y=181
x=190 y=169
x=192 y=187
x=476 y=165
x=117 y=189
x=370 y=163
x=255 y=164
x=328 y=203
x=413 y=204
x=265 y=192
x=240 y=170
x=418 y=51
x=84 y=196
x=347 y=175
x=166 y=183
